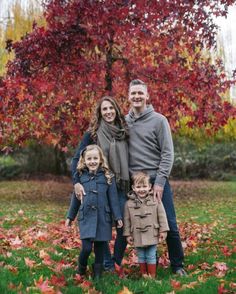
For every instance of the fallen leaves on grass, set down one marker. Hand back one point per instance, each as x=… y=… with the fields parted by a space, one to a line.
x=47 y=239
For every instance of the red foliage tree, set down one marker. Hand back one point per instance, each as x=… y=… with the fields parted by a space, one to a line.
x=94 y=47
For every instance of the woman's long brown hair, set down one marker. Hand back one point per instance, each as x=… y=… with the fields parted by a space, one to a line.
x=97 y=117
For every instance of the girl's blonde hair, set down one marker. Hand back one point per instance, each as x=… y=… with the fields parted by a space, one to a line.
x=103 y=162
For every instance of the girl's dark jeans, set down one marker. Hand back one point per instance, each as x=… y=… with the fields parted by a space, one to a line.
x=87 y=246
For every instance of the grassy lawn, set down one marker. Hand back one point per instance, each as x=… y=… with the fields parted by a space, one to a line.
x=39 y=255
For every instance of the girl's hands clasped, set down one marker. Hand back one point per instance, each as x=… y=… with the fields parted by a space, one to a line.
x=119 y=223
x=68 y=222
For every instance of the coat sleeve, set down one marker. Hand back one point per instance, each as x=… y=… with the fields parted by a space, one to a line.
x=74 y=207
x=162 y=219
x=127 y=221
x=114 y=201
x=167 y=153
x=86 y=140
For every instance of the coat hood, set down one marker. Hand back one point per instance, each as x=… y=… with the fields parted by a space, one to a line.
x=133 y=197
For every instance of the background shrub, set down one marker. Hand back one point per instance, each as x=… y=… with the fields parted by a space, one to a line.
x=216 y=161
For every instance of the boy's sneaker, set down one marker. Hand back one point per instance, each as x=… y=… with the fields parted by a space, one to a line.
x=110 y=268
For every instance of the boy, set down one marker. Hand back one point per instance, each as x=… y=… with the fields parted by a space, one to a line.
x=145 y=222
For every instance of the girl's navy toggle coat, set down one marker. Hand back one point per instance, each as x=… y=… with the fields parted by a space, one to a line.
x=99 y=204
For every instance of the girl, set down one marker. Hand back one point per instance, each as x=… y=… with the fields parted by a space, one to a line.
x=108 y=129
x=98 y=204
x=145 y=223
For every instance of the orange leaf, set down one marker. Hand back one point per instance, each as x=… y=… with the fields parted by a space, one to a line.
x=221 y=289
x=16 y=243
x=20 y=212
x=220 y=266
x=78 y=279
x=232 y=285
x=125 y=290
x=175 y=284
x=12 y=268
x=85 y=285
x=57 y=281
x=44 y=287
x=29 y=262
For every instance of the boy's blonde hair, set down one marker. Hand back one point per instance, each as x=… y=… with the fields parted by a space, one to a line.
x=103 y=162
x=140 y=178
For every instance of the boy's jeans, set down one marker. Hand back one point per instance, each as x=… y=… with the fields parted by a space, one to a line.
x=147 y=254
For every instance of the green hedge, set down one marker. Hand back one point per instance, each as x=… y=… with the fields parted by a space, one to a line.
x=9 y=168
x=211 y=160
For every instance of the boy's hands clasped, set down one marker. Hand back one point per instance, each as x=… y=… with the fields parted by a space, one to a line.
x=162 y=236
x=130 y=240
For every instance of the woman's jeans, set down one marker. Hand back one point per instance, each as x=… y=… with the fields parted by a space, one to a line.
x=87 y=246
x=147 y=254
x=120 y=241
x=175 y=249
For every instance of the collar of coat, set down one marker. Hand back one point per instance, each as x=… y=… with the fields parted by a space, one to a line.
x=148 y=200
x=86 y=175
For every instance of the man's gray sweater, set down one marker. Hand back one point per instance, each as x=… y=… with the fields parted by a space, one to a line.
x=150 y=144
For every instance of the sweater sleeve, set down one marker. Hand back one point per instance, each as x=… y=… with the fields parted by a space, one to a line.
x=74 y=207
x=162 y=219
x=86 y=140
x=167 y=153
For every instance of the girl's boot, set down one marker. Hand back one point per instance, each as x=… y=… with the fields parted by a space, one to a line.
x=82 y=269
x=143 y=268
x=97 y=270
x=151 y=269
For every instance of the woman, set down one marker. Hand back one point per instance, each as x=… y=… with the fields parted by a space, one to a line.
x=108 y=129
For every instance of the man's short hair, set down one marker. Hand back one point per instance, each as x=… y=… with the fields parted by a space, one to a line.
x=137 y=82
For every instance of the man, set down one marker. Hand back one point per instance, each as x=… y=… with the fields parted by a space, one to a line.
x=151 y=150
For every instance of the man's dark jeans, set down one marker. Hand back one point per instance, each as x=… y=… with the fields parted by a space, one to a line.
x=175 y=249
x=120 y=242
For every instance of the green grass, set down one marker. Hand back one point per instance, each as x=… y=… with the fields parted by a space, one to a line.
x=36 y=249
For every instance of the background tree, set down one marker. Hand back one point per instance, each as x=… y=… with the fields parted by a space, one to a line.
x=17 y=24
x=89 y=48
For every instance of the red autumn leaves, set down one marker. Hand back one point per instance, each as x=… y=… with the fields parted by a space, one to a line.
x=89 y=49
